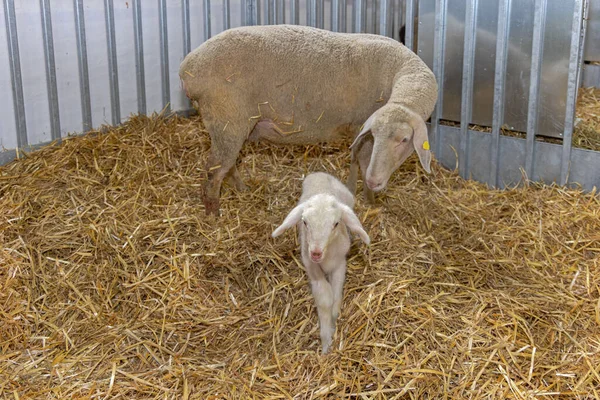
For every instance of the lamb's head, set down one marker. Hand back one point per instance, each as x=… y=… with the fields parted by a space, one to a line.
x=397 y=132
x=323 y=217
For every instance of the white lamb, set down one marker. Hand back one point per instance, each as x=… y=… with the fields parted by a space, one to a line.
x=323 y=216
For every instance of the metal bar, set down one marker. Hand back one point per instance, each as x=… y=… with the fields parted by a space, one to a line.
x=357 y=12
x=320 y=14
x=364 y=15
x=344 y=16
x=575 y=61
x=295 y=12
x=50 y=69
x=207 y=30
x=409 y=24
x=335 y=15
x=10 y=20
x=82 y=60
x=139 y=52
x=466 y=109
x=311 y=13
x=226 y=15
x=281 y=11
x=270 y=11
x=251 y=12
x=164 y=53
x=113 y=72
x=441 y=8
x=537 y=51
x=499 y=87
x=374 y=16
x=384 y=18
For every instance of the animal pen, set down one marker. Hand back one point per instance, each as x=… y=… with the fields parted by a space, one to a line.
x=482 y=279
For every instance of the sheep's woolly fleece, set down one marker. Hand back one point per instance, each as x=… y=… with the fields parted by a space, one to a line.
x=113 y=284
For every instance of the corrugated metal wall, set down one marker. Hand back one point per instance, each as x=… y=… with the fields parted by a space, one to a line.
x=71 y=65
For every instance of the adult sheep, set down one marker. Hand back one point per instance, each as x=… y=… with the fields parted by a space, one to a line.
x=291 y=84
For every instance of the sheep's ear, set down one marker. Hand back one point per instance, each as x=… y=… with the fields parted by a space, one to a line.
x=352 y=222
x=366 y=129
x=421 y=142
x=292 y=219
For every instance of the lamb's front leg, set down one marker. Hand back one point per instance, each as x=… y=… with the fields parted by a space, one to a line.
x=337 y=279
x=323 y=294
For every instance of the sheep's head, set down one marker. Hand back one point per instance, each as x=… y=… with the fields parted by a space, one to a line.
x=397 y=132
x=323 y=218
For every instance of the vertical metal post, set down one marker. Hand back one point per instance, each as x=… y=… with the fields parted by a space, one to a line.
x=10 y=20
x=226 y=15
x=344 y=16
x=373 y=16
x=139 y=54
x=466 y=108
x=251 y=12
x=358 y=19
x=269 y=11
x=575 y=59
x=84 y=78
x=281 y=11
x=439 y=55
x=537 y=50
x=113 y=72
x=335 y=15
x=311 y=13
x=409 y=24
x=499 y=87
x=207 y=30
x=320 y=14
x=384 y=12
x=295 y=12
x=50 y=69
x=164 y=53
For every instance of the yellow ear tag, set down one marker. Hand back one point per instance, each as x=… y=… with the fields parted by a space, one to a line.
x=426 y=145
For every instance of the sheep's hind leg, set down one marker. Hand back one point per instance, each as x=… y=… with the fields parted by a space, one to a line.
x=234 y=178
x=337 y=279
x=224 y=153
x=323 y=295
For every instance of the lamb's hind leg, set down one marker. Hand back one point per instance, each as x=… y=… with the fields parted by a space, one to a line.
x=224 y=151
x=234 y=178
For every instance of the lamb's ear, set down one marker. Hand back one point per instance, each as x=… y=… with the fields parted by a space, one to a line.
x=292 y=219
x=421 y=142
x=366 y=129
x=352 y=222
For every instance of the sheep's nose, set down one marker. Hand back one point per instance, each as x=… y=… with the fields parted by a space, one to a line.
x=316 y=255
x=373 y=184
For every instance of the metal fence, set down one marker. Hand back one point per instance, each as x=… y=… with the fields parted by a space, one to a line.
x=131 y=78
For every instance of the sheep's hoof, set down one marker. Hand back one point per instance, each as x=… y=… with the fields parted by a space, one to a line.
x=212 y=207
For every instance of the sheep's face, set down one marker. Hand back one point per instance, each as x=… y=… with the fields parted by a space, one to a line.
x=322 y=221
x=392 y=145
x=397 y=132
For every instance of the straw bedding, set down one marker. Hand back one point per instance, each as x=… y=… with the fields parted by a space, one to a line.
x=113 y=283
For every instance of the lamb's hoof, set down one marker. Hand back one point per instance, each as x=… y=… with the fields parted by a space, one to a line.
x=212 y=207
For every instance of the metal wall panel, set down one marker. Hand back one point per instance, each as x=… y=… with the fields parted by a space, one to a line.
x=592 y=41
x=554 y=65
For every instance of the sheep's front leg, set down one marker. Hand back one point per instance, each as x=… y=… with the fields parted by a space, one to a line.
x=323 y=295
x=337 y=279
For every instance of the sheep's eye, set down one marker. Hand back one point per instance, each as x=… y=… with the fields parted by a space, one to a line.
x=304 y=222
x=405 y=140
x=336 y=224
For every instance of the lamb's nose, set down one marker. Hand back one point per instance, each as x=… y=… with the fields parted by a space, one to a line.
x=316 y=254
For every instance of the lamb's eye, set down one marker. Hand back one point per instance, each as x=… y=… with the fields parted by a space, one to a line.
x=335 y=225
x=304 y=222
x=405 y=140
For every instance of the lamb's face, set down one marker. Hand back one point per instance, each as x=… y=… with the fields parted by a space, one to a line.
x=392 y=145
x=322 y=222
